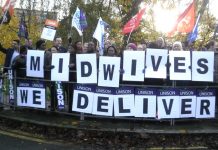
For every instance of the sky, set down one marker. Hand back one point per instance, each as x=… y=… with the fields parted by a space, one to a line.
x=213 y=5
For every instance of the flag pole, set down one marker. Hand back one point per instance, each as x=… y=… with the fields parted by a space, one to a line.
x=130 y=35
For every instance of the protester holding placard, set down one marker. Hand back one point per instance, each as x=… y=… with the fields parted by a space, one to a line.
x=76 y=49
x=11 y=53
x=177 y=46
x=19 y=63
x=50 y=84
x=58 y=44
x=40 y=45
x=111 y=51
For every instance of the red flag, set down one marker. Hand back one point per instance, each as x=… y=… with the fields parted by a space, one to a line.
x=186 y=21
x=9 y=6
x=133 y=23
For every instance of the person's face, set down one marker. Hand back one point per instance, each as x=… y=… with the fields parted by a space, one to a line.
x=91 y=46
x=129 y=48
x=71 y=49
x=140 y=48
x=58 y=42
x=15 y=45
x=30 y=42
x=111 y=52
x=79 y=46
x=43 y=46
x=159 y=42
x=177 y=47
x=85 y=47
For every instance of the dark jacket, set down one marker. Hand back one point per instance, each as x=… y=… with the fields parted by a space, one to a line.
x=9 y=53
x=19 y=65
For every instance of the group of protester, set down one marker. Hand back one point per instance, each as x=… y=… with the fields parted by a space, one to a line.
x=16 y=57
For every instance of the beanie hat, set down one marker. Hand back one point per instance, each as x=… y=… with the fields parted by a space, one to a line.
x=132 y=45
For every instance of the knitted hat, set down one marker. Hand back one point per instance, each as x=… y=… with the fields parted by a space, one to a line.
x=132 y=45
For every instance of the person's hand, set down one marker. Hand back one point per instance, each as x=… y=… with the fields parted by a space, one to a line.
x=71 y=65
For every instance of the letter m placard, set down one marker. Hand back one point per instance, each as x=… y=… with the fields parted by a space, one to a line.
x=35 y=63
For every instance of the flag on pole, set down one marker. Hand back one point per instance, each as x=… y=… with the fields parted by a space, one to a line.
x=23 y=27
x=134 y=22
x=185 y=22
x=76 y=21
x=99 y=34
x=8 y=10
x=194 y=34
x=83 y=22
x=79 y=21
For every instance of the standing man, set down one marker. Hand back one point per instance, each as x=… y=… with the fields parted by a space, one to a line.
x=58 y=44
x=11 y=53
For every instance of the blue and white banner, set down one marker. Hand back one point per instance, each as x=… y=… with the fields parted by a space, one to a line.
x=11 y=87
x=31 y=94
x=124 y=102
x=205 y=104
x=103 y=101
x=60 y=95
x=145 y=102
x=168 y=103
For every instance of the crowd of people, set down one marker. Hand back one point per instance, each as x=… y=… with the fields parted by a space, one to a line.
x=16 y=57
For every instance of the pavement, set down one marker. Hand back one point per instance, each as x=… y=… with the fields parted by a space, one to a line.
x=114 y=125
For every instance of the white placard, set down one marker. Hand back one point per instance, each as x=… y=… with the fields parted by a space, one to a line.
x=35 y=63
x=156 y=60
x=60 y=72
x=205 y=107
x=124 y=105
x=180 y=65
x=31 y=97
x=109 y=71
x=86 y=68
x=188 y=106
x=103 y=104
x=48 y=34
x=133 y=65
x=168 y=107
x=142 y=101
x=82 y=101
x=202 y=66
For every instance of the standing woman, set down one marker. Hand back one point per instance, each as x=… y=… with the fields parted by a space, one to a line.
x=111 y=51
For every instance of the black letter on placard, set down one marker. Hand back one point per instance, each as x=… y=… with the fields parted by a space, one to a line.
x=83 y=73
x=185 y=105
x=36 y=97
x=120 y=100
x=23 y=95
x=168 y=110
x=101 y=103
x=133 y=69
x=60 y=69
x=108 y=71
x=202 y=63
x=34 y=64
x=145 y=105
x=204 y=106
x=177 y=64
x=80 y=97
x=155 y=67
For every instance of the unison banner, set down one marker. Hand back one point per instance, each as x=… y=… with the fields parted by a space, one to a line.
x=144 y=102
x=31 y=94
